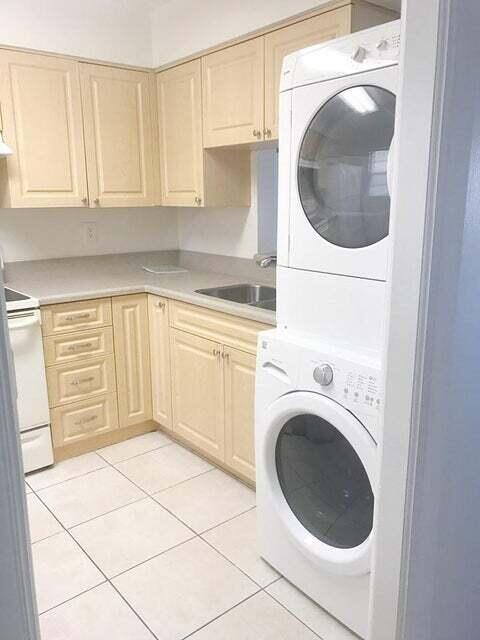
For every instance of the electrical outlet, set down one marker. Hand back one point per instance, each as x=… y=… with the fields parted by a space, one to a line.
x=89 y=233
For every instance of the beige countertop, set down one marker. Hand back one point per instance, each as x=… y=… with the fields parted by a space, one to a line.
x=69 y=279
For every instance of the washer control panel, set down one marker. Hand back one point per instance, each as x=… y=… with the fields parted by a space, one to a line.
x=355 y=384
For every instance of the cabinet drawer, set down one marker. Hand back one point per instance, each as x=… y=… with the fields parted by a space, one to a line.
x=74 y=316
x=214 y=325
x=75 y=381
x=81 y=420
x=78 y=346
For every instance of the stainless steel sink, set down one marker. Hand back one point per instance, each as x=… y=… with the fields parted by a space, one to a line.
x=256 y=295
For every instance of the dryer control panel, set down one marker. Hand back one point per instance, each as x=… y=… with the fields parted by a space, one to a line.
x=358 y=52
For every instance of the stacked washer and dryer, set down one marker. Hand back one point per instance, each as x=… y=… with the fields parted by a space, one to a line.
x=319 y=392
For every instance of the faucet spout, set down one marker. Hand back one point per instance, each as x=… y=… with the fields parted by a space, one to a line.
x=266 y=261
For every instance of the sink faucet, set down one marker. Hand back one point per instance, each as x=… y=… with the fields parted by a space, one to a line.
x=265 y=261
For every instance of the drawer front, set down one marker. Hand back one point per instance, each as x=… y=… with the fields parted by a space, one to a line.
x=219 y=327
x=75 y=316
x=82 y=420
x=76 y=381
x=78 y=345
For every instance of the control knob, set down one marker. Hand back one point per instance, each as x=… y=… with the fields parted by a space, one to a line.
x=323 y=374
x=359 y=54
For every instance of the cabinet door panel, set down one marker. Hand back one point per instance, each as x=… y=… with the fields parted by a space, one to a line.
x=160 y=360
x=83 y=420
x=132 y=355
x=119 y=136
x=233 y=87
x=42 y=119
x=180 y=125
x=280 y=43
x=197 y=378
x=239 y=412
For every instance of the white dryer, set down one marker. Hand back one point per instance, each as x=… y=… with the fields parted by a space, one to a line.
x=337 y=113
x=317 y=420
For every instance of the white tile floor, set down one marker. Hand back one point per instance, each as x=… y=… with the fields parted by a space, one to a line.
x=145 y=540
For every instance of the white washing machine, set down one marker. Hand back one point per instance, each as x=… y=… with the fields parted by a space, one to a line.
x=317 y=419
x=337 y=115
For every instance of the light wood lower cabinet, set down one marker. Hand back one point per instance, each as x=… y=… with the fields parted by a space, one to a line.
x=197 y=381
x=160 y=360
x=77 y=380
x=132 y=356
x=239 y=375
x=79 y=421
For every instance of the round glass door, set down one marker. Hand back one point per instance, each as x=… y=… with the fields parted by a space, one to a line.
x=324 y=481
x=342 y=167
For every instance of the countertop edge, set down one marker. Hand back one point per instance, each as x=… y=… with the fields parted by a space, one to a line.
x=231 y=308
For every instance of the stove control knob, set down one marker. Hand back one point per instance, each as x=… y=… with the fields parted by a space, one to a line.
x=359 y=54
x=382 y=45
x=323 y=375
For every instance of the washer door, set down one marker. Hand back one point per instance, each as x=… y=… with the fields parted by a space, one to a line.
x=342 y=167
x=320 y=464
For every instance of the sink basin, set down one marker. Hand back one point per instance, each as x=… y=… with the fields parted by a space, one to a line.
x=271 y=305
x=252 y=294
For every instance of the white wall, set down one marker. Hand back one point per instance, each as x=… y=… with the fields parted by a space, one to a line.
x=31 y=234
x=112 y=30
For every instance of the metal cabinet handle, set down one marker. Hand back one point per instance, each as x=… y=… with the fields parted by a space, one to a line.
x=226 y=356
x=80 y=346
x=81 y=421
x=77 y=316
x=257 y=133
x=198 y=201
x=216 y=352
x=97 y=201
x=161 y=305
x=85 y=200
x=75 y=383
x=267 y=133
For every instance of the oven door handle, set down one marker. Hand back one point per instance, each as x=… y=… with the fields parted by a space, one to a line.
x=23 y=320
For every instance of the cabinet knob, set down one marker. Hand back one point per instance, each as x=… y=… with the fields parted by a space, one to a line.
x=267 y=133
x=257 y=133
x=161 y=305
x=97 y=201
x=198 y=201
x=85 y=200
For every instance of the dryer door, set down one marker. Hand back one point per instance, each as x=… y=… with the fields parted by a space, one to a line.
x=341 y=143
x=321 y=469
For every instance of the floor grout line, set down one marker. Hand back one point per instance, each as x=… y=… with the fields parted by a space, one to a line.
x=137 y=455
x=81 y=475
x=242 y=513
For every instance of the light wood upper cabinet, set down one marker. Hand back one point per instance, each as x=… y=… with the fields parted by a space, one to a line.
x=281 y=42
x=42 y=119
x=179 y=92
x=239 y=368
x=118 y=113
x=132 y=355
x=233 y=88
x=160 y=360
x=197 y=380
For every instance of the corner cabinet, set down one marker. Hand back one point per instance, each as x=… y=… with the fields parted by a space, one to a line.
x=118 y=110
x=41 y=109
x=132 y=357
x=190 y=175
x=160 y=360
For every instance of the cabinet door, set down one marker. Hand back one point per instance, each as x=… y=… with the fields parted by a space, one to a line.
x=42 y=119
x=160 y=360
x=239 y=412
x=179 y=93
x=197 y=378
x=280 y=43
x=119 y=136
x=233 y=94
x=132 y=355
